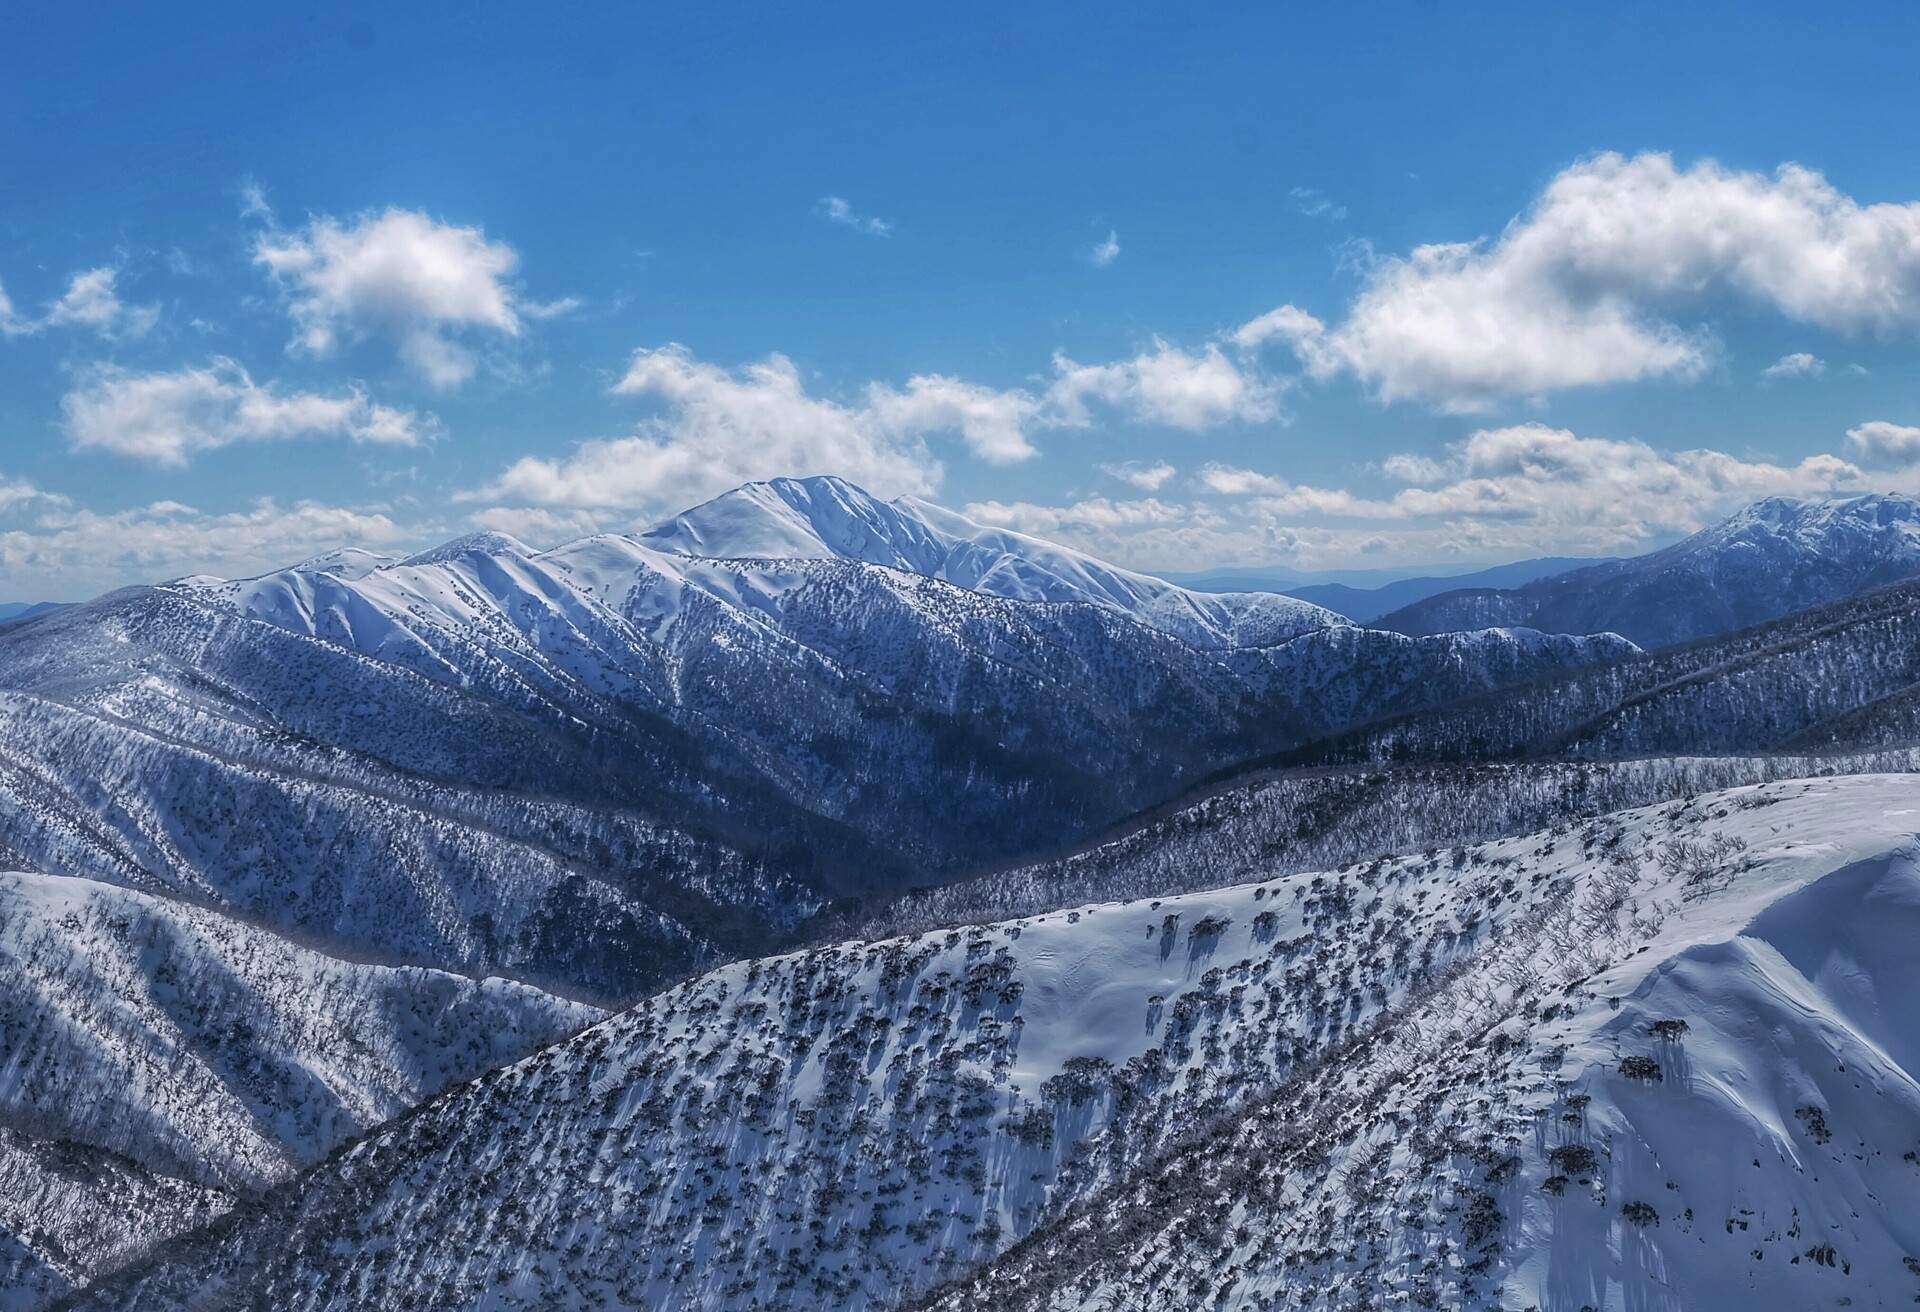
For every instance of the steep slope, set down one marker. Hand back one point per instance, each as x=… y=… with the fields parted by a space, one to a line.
x=1710 y=1105
x=1838 y=677
x=162 y=1060
x=1775 y=557
x=1349 y=1088
x=828 y=518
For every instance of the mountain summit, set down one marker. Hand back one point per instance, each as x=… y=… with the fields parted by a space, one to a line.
x=826 y=518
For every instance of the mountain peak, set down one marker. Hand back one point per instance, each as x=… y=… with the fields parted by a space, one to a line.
x=826 y=518
x=484 y=542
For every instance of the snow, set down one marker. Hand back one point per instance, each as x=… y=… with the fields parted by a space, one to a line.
x=1395 y=1049
x=828 y=518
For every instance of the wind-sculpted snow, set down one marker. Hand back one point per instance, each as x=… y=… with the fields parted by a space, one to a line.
x=161 y=1060
x=1654 y=1059
x=1775 y=557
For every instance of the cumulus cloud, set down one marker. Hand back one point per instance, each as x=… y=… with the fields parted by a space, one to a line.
x=719 y=427
x=1880 y=443
x=92 y=300
x=723 y=427
x=1801 y=364
x=837 y=209
x=540 y=526
x=1106 y=252
x=1165 y=385
x=1584 y=288
x=427 y=287
x=1503 y=492
x=1229 y=480
x=71 y=552
x=993 y=424
x=167 y=418
x=1146 y=477
x=16 y=492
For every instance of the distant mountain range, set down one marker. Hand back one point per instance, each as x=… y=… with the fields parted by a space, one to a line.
x=1777 y=556
x=1368 y=604
x=19 y=610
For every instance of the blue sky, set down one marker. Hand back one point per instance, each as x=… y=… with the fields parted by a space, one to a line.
x=1414 y=285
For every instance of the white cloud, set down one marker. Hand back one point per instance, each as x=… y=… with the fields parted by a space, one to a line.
x=724 y=427
x=11 y=324
x=1881 y=443
x=1231 y=481
x=1146 y=477
x=167 y=418
x=401 y=276
x=1582 y=289
x=837 y=209
x=993 y=424
x=70 y=552
x=538 y=525
x=1106 y=252
x=17 y=492
x=1801 y=364
x=1502 y=493
x=1315 y=204
x=1165 y=385
x=1099 y=514
x=93 y=301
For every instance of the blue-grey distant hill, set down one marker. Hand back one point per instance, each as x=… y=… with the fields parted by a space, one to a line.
x=1365 y=604
x=1776 y=557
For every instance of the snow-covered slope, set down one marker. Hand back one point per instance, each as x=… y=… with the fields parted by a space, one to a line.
x=166 y=1059
x=1775 y=557
x=1658 y=1059
x=829 y=518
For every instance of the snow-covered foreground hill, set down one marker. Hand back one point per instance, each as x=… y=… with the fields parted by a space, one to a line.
x=1658 y=1059
x=161 y=1060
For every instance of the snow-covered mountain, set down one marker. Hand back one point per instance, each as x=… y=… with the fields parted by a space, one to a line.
x=304 y=848
x=163 y=1060
x=824 y=518
x=1661 y=1058
x=1777 y=556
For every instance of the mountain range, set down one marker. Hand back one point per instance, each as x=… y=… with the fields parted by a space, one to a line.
x=1777 y=556
x=821 y=900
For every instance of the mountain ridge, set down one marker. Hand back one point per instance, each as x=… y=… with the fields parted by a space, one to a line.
x=1774 y=557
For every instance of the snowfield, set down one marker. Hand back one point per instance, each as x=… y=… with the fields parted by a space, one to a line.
x=1664 y=1058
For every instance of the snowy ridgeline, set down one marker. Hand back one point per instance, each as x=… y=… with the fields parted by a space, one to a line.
x=1272 y=823
x=161 y=1061
x=1658 y=1059
x=1775 y=557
